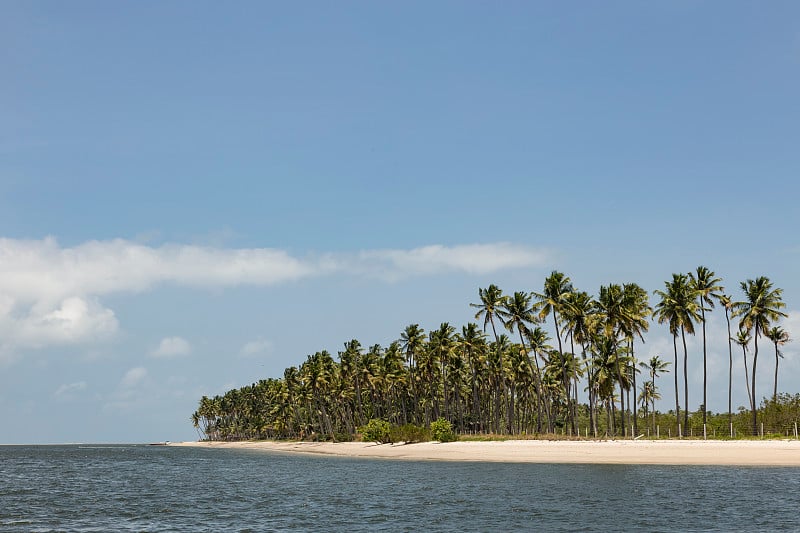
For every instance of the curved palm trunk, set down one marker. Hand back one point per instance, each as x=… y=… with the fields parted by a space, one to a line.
x=747 y=377
x=685 y=381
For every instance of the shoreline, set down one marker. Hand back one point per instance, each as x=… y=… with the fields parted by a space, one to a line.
x=657 y=452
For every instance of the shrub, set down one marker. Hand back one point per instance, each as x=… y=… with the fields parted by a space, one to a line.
x=409 y=433
x=376 y=430
x=442 y=430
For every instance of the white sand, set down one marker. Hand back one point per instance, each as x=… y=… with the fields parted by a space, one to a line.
x=664 y=452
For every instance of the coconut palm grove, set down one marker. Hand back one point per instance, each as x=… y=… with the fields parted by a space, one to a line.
x=519 y=368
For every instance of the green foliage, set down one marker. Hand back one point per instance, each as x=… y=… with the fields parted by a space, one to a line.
x=409 y=433
x=376 y=430
x=442 y=430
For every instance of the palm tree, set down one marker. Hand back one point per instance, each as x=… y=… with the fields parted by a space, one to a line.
x=779 y=337
x=727 y=303
x=654 y=366
x=637 y=311
x=578 y=318
x=413 y=342
x=743 y=339
x=678 y=307
x=707 y=287
x=518 y=313
x=491 y=306
x=550 y=302
x=763 y=306
x=538 y=341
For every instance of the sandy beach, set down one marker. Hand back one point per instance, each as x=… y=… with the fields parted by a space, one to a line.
x=661 y=452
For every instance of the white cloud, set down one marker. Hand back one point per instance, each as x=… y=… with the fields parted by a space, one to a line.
x=72 y=320
x=133 y=377
x=49 y=294
x=172 y=347
x=436 y=259
x=68 y=389
x=256 y=347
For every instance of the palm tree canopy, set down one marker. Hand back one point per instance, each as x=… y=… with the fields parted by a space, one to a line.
x=556 y=286
x=492 y=300
x=678 y=305
x=763 y=305
x=707 y=285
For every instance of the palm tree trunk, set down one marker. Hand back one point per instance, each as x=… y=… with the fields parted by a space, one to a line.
x=753 y=388
x=747 y=377
x=685 y=381
x=677 y=393
x=635 y=425
x=730 y=368
x=705 y=372
x=775 y=389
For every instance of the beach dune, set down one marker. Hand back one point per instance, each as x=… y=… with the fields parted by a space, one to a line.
x=661 y=452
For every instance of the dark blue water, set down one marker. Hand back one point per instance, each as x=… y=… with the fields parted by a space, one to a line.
x=146 y=488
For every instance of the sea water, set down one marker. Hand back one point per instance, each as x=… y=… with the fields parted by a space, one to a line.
x=157 y=488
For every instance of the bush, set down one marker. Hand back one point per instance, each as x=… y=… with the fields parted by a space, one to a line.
x=409 y=433
x=376 y=430
x=442 y=430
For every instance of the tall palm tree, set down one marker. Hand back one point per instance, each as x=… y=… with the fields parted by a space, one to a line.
x=637 y=312
x=518 y=313
x=491 y=306
x=413 y=343
x=538 y=340
x=577 y=314
x=707 y=287
x=727 y=304
x=550 y=302
x=678 y=307
x=779 y=337
x=743 y=339
x=762 y=307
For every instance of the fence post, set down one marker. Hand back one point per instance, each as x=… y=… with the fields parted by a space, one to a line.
x=762 y=430
x=658 y=431
x=731 y=424
x=680 y=433
x=795 y=430
x=705 y=435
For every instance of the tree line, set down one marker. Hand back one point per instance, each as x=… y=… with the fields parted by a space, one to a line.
x=506 y=374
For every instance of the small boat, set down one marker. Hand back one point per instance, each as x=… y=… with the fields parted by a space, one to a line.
x=165 y=443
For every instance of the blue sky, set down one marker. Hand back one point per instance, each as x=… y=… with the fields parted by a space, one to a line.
x=195 y=196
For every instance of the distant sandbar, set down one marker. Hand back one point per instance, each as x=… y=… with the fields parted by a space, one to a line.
x=658 y=452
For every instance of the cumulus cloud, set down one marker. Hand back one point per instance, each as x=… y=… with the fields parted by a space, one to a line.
x=50 y=295
x=133 y=377
x=256 y=347
x=172 y=347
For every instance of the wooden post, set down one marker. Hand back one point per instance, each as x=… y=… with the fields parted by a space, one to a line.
x=705 y=435
x=658 y=431
x=795 y=430
x=762 y=430
x=731 y=424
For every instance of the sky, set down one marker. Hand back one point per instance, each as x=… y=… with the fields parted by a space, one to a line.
x=194 y=196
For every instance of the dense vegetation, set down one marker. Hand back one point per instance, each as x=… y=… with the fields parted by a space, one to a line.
x=480 y=380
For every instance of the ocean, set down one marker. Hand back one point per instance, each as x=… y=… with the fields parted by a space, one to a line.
x=157 y=488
